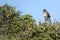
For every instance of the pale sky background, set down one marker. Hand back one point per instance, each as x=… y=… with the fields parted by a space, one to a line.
x=35 y=7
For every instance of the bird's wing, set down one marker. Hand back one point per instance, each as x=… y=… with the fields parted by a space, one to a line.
x=48 y=15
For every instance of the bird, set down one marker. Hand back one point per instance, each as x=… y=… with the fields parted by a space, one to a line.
x=46 y=15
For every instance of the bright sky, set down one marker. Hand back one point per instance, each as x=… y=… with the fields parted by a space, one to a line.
x=35 y=7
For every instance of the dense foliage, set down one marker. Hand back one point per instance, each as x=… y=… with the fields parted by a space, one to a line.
x=14 y=26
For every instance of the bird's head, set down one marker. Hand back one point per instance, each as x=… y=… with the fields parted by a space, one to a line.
x=44 y=11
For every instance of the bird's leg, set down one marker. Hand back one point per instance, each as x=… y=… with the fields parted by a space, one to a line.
x=46 y=21
x=49 y=21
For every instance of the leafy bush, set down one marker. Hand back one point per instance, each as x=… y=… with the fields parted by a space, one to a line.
x=14 y=26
